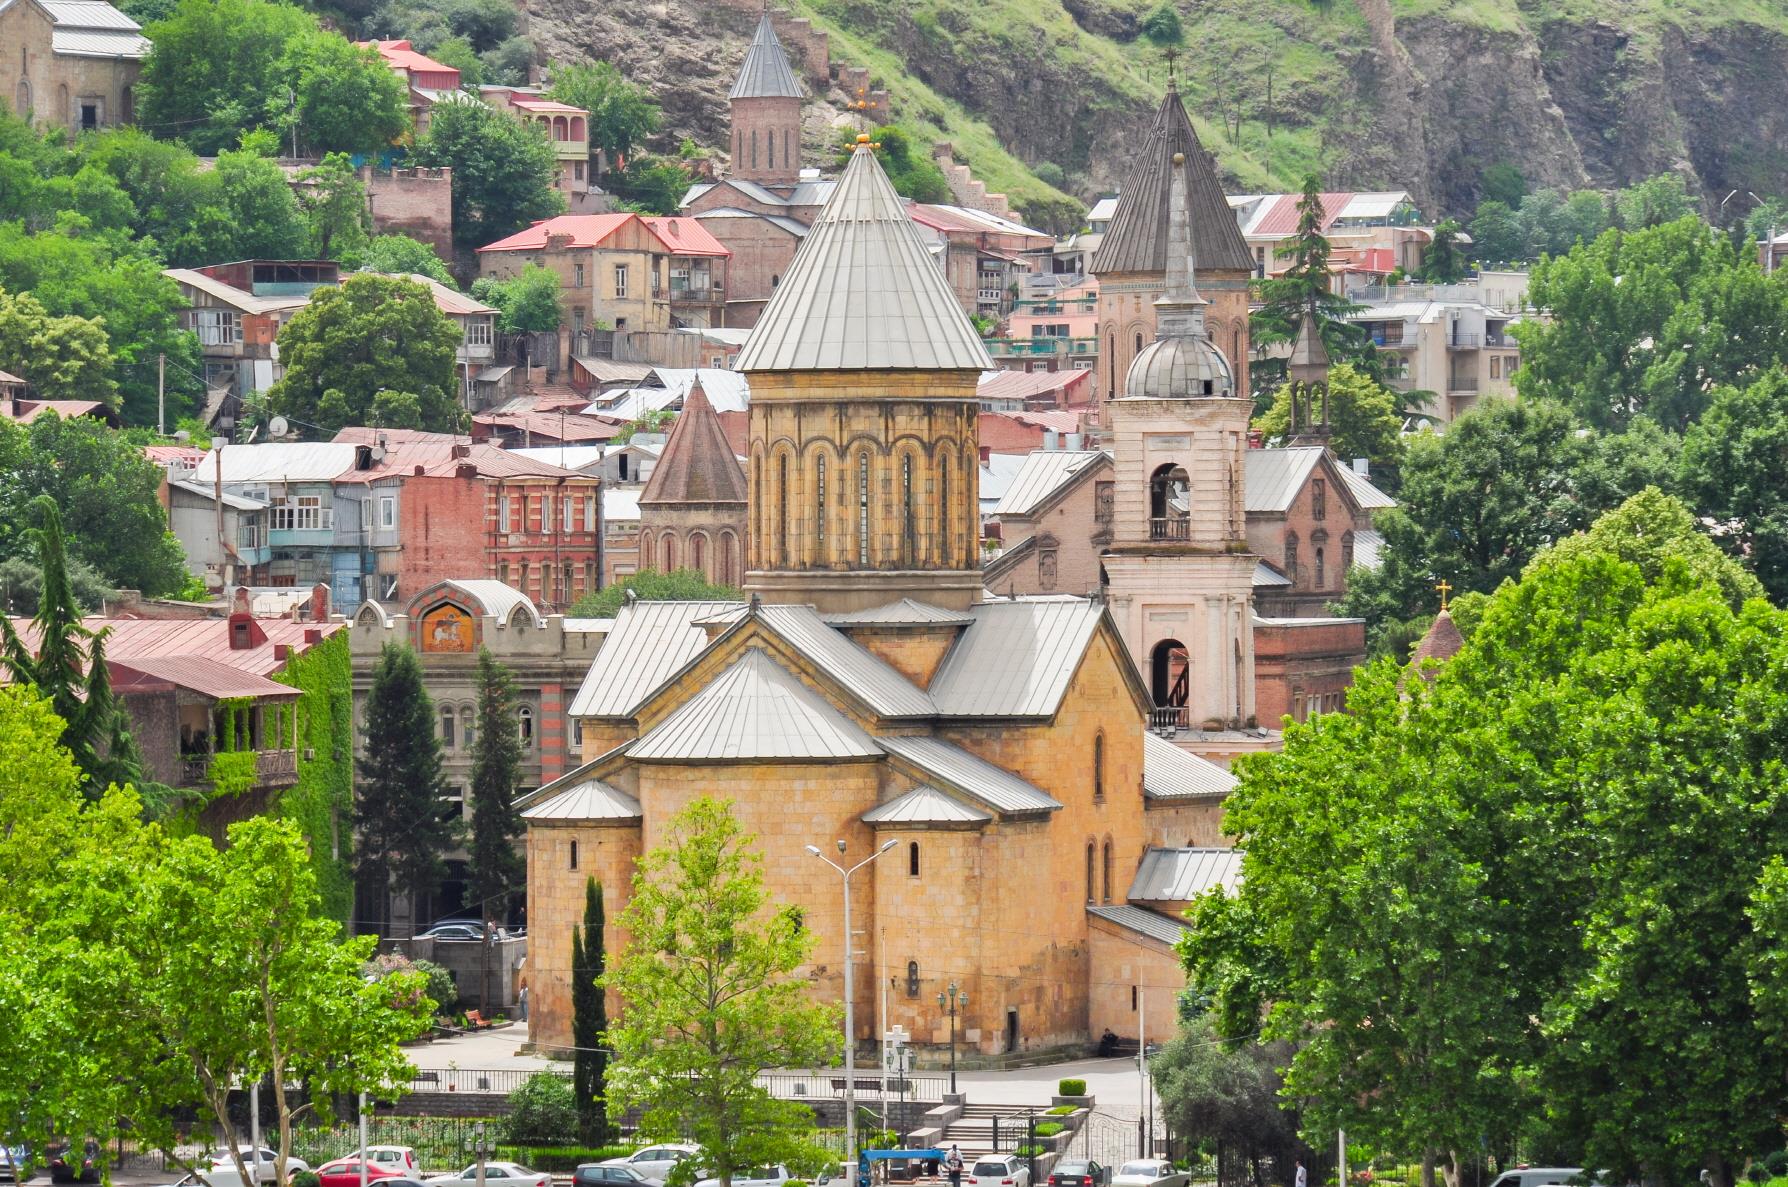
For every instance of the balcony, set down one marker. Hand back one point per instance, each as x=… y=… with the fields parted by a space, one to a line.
x=1042 y=346
x=1462 y=383
x=1172 y=527
x=273 y=768
x=1166 y=718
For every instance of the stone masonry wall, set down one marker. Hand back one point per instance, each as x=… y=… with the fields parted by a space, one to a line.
x=1185 y=824
x=413 y=202
x=556 y=905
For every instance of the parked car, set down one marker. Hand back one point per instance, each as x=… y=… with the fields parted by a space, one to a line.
x=1149 y=1172
x=17 y=1163
x=596 y=1174
x=761 y=1176
x=653 y=1162
x=399 y=1158
x=1080 y=1172
x=345 y=1172
x=998 y=1170
x=509 y=1174
x=211 y=1177
x=69 y=1166
x=262 y=1163
x=1539 y=1176
x=454 y=929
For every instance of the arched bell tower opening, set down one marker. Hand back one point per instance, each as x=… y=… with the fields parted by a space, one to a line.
x=1170 y=503
x=1169 y=679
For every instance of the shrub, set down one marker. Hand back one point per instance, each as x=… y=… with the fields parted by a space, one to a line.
x=440 y=985
x=560 y=1159
x=306 y=1179
x=1062 y=1110
x=1030 y=1151
x=1049 y=1129
x=543 y=1112
x=1070 y=1088
x=1776 y=1163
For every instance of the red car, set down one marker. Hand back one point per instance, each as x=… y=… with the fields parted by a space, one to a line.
x=345 y=1172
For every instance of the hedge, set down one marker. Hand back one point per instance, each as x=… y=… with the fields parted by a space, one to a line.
x=560 y=1159
x=1070 y=1087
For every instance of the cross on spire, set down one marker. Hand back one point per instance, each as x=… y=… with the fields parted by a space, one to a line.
x=1444 y=589
x=1172 y=54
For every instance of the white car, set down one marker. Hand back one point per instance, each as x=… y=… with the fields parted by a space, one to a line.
x=998 y=1170
x=655 y=1162
x=509 y=1174
x=1149 y=1172
x=759 y=1176
x=262 y=1163
x=398 y=1158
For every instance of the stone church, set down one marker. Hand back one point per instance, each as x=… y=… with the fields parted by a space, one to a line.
x=869 y=691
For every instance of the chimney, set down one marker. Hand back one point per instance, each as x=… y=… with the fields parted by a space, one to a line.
x=986 y=454
x=462 y=449
x=319 y=602
x=282 y=651
x=418 y=471
x=1074 y=441
x=1362 y=467
x=1051 y=441
x=312 y=635
x=558 y=241
x=465 y=470
x=239 y=601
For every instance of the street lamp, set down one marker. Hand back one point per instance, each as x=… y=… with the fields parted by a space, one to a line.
x=949 y=1001
x=850 y=1017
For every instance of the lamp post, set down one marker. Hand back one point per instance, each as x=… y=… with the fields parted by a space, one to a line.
x=948 y=1001
x=850 y=1016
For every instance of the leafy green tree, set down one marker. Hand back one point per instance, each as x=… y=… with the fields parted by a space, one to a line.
x=1587 y=213
x=483 y=23
x=1732 y=470
x=1444 y=261
x=912 y=172
x=509 y=61
x=1503 y=182
x=497 y=870
x=348 y=100
x=1363 y=416
x=258 y=197
x=219 y=67
x=400 y=255
x=66 y=663
x=622 y=113
x=1162 y=27
x=528 y=302
x=62 y=358
x=649 y=585
x=1654 y=202
x=710 y=979
x=370 y=336
x=541 y=1112
x=1215 y=1091
x=1648 y=323
x=651 y=185
x=1496 y=234
x=1769 y=215
x=1305 y=285
x=1541 y=225
x=503 y=170
x=589 y=1021
x=399 y=827
x=332 y=202
x=21 y=586
x=458 y=53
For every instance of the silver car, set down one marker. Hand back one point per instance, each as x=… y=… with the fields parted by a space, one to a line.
x=1149 y=1172
x=655 y=1162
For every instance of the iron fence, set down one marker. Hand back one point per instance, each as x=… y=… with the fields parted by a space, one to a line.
x=823 y=1084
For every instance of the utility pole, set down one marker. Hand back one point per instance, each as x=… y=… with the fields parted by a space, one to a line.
x=161 y=395
x=1341 y=1167
x=363 y=1139
x=1142 y=1072
x=479 y=1131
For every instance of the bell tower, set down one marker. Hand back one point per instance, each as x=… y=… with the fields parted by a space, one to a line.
x=766 y=113
x=1181 y=579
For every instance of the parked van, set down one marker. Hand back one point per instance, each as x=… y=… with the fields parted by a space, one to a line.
x=1545 y=1176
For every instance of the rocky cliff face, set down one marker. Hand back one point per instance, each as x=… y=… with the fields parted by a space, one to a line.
x=1379 y=99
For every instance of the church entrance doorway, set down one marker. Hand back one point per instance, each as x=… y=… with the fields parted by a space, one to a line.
x=1011 y=1029
x=1169 y=672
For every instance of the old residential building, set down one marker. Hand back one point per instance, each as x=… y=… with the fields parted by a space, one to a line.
x=568 y=128
x=1442 y=339
x=70 y=64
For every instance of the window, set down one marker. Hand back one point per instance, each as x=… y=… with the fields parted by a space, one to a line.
x=522 y=584
x=567 y=572
x=946 y=529
x=447 y=722
x=468 y=726
x=862 y=508
x=577 y=320
x=1107 y=866
x=782 y=540
x=620 y=282
x=589 y=513
x=387 y=511
x=524 y=721
x=1099 y=767
x=546 y=514
x=1133 y=996
x=249 y=534
x=503 y=572
x=577 y=170
x=569 y=506
x=1291 y=557
x=1346 y=552
x=217 y=327
x=819 y=499
x=573 y=860
x=89 y=116
x=1319 y=568
x=303 y=514
x=906 y=510
x=912 y=859
x=478 y=331
x=503 y=515
x=912 y=976
x=698 y=554
x=1090 y=848
x=366 y=515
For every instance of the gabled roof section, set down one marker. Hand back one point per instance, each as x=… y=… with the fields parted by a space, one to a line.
x=1267 y=577
x=1180 y=875
x=1044 y=473
x=863 y=292
x=905 y=612
x=1368 y=549
x=195 y=673
x=1369 y=497
x=1137 y=239
x=697 y=465
x=859 y=671
x=1171 y=773
x=955 y=767
x=765 y=73
x=650 y=640
x=586 y=230
x=1150 y=924
x=590 y=800
x=925 y=805
x=1017 y=660
x=1273 y=477
x=755 y=709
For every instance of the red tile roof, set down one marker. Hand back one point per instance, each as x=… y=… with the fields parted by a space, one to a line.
x=586 y=230
x=399 y=56
x=698 y=464
x=207 y=677
x=133 y=639
x=1282 y=219
x=1373 y=260
x=685 y=236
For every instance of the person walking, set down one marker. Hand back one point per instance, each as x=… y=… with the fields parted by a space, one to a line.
x=1302 y=1177
x=953 y=1165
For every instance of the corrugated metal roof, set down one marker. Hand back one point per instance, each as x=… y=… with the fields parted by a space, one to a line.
x=1369 y=497
x=906 y=610
x=237 y=298
x=590 y=800
x=863 y=293
x=209 y=494
x=1281 y=217
x=1144 y=923
x=207 y=677
x=1017 y=659
x=649 y=642
x=755 y=709
x=1180 y=875
x=871 y=679
x=793 y=227
x=998 y=472
x=1265 y=576
x=99 y=43
x=1273 y=477
x=1368 y=549
x=565 y=457
x=132 y=639
x=1171 y=773
x=278 y=462
x=609 y=371
x=1044 y=472
x=925 y=805
x=994 y=786
x=1102 y=211
x=498 y=599
x=765 y=72
x=87 y=14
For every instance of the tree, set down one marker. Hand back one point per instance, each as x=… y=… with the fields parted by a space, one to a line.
x=503 y=170
x=1503 y=182
x=1732 y=470
x=459 y=53
x=509 y=61
x=709 y=978
x=622 y=113
x=1227 y=1092
x=400 y=255
x=589 y=1021
x=348 y=100
x=370 y=336
x=542 y=1112
x=651 y=185
x=62 y=358
x=399 y=824
x=332 y=202
x=1304 y=285
x=21 y=586
x=1362 y=414
x=649 y=585
x=68 y=667
x=1496 y=234
x=219 y=67
x=1162 y=27
x=1444 y=261
x=1654 y=202
x=255 y=192
x=497 y=868
x=528 y=302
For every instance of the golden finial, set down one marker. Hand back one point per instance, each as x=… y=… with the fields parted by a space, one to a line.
x=862 y=138
x=1444 y=590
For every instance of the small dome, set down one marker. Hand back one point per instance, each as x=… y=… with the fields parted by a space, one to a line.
x=1179 y=369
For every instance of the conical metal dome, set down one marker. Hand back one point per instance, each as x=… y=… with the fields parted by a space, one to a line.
x=765 y=73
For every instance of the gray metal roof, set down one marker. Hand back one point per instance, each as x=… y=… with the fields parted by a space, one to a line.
x=1180 y=875
x=498 y=599
x=1171 y=773
x=925 y=805
x=1018 y=658
x=1152 y=924
x=765 y=73
x=209 y=494
x=1364 y=493
x=87 y=14
x=950 y=764
x=863 y=293
x=1265 y=576
x=649 y=642
x=1368 y=549
x=755 y=709
x=1044 y=472
x=278 y=462
x=797 y=229
x=905 y=611
x=589 y=800
x=99 y=43
x=866 y=676
x=1274 y=476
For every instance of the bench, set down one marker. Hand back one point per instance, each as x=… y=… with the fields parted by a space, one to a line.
x=872 y=1085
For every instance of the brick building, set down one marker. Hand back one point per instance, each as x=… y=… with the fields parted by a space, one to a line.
x=1310 y=519
x=70 y=64
x=692 y=510
x=766 y=112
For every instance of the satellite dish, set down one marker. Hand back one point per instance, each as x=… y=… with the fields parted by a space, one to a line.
x=277 y=427
x=378 y=453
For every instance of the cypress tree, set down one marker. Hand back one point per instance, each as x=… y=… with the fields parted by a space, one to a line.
x=589 y=1021
x=497 y=867
x=399 y=824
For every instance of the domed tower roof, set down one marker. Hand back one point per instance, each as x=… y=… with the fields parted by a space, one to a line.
x=1182 y=362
